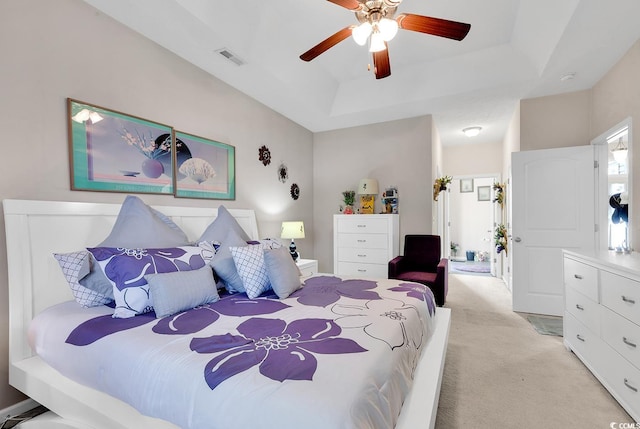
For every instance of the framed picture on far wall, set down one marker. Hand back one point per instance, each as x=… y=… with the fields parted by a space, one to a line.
x=484 y=193
x=114 y=152
x=466 y=185
x=204 y=168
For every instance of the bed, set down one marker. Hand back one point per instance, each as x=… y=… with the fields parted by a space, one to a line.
x=37 y=229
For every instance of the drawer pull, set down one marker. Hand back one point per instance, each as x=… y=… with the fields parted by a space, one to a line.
x=362 y=226
x=627 y=342
x=626 y=383
x=629 y=300
x=579 y=307
x=360 y=270
x=578 y=336
x=362 y=241
x=362 y=256
x=578 y=276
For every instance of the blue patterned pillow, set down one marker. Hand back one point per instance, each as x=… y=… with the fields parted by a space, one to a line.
x=126 y=268
x=76 y=268
x=249 y=261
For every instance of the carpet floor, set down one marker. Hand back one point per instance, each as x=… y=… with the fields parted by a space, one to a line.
x=501 y=373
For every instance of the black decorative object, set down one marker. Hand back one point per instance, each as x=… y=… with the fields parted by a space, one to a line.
x=295 y=191
x=264 y=155
x=283 y=173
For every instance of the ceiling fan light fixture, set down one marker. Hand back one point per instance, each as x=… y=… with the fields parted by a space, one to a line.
x=620 y=152
x=472 y=131
x=388 y=28
x=361 y=33
x=376 y=42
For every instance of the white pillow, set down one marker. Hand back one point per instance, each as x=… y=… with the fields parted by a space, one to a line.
x=174 y=292
x=249 y=261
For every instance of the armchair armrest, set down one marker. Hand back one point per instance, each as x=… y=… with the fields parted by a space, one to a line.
x=395 y=267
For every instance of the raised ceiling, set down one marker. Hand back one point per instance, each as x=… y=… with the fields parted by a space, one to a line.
x=516 y=49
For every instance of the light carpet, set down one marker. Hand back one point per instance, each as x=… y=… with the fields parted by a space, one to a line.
x=500 y=373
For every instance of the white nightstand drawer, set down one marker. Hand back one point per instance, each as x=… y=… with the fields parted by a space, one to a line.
x=370 y=241
x=581 y=277
x=622 y=335
x=363 y=270
x=363 y=224
x=584 y=309
x=366 y=256
x=583 y=342
x=621 y=295
x=308 y=267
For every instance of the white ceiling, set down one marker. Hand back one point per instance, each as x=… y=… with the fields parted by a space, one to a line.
x=515 y=49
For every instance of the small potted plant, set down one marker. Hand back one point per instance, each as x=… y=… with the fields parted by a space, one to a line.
x=349 y=198
x=440 y=185
x=500 y=238
x=454 y=249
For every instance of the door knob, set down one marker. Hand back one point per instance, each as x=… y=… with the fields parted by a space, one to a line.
x=517 y=239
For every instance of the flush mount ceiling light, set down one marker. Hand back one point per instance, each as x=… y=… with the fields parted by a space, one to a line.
x=472 y=131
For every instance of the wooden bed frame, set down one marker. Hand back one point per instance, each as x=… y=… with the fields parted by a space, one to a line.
x=37 y=229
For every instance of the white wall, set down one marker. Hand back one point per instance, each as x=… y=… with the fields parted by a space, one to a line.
x=51 y=50
x=395 y=153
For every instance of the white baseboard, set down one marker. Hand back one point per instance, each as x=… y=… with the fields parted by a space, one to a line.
x=17 y=409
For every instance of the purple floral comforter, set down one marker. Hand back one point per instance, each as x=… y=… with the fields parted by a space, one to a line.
x=338 y=353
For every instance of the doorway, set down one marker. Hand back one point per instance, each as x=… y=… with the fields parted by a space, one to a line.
x=471 y=220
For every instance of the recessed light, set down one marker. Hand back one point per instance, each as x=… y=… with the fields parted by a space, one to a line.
x=472 y=131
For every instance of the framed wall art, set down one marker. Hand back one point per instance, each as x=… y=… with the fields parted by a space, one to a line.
x=112 y=151
x=484 y=193
x=466 y=185
x=204 y=168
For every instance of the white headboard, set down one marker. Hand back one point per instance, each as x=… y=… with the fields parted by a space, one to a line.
x=37 y=229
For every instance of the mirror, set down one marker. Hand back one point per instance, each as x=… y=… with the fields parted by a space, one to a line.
x=618 y=172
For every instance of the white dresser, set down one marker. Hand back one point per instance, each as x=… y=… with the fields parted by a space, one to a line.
x=363 y=245
x=602 y=320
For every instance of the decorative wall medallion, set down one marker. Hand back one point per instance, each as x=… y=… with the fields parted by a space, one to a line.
x=264 y=155
x=283 y=173
x=295 y=191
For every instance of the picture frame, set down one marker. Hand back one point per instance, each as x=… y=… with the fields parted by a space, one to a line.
x=204 y=168
x=114 y=152
x=484 y=193
x=466 y=185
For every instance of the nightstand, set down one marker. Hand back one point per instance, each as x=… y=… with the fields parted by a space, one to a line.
x=308 y=267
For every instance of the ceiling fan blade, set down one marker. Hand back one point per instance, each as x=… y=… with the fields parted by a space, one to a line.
x=348 y=4
x=381 y=65
x=327 y=43
x=435 y=26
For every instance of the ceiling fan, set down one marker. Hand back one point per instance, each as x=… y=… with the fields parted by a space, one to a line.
x=378 y=25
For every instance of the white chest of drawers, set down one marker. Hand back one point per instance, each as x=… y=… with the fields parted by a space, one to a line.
x=363 y=245
x=602 y=320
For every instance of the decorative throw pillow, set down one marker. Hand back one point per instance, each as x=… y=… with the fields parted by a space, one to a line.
x=223 y=263
x=249 y=261
x=140 y=226
x=221 y=225
x=76 y=267
x=172 y=293
x=282 y=271
x=126 y=268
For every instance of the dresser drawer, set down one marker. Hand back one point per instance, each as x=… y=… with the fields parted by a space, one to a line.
x=584 y=309
x=584 y=343
x=367 y=256
x=581 y=277
x=363 y=270
x=362 y=224
x=371 y=241
x=623 y=381
x=622 y=335
x=622 y=295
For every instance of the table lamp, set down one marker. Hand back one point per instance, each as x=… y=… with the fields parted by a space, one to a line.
x=368 y=189
x=292 y=230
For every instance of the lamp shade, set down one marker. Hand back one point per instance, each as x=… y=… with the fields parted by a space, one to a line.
x=292 y=230
x=368 y=187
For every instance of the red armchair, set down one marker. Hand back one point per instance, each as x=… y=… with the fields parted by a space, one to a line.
x=421 y=263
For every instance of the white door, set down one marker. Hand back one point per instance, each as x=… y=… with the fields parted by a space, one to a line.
x=553 y=209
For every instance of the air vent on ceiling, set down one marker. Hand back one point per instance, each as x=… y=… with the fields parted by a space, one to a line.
x=231 y=56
